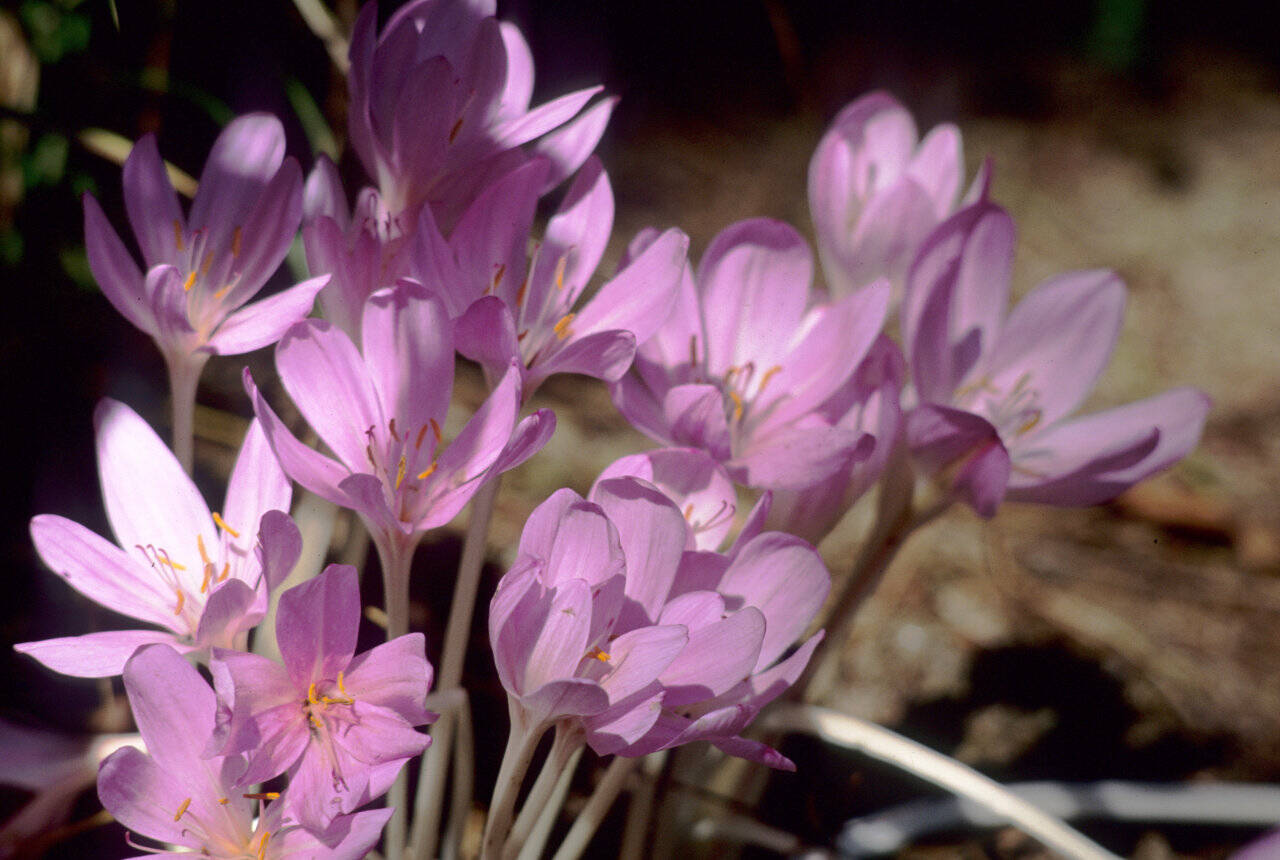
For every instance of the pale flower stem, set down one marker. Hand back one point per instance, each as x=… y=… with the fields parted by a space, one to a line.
x=463 y=782
x=566 y=743
x=588 y=821
x=184 y=379
x=887 y=746
x=395 y=553
x=522 y=743
x=635 y=834
x=537 y=840
x=430 y=797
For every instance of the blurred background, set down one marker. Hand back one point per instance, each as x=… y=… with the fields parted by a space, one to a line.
x=1137 y=640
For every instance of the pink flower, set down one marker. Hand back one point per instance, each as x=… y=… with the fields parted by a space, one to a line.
x=439 y=104
x=512 y=309
x=340 y=724
x=876 y=191
x=380 y=410
x=996 y=392
x=176 y=796
x=204 y=578
x=201 y=269
x=743 y=363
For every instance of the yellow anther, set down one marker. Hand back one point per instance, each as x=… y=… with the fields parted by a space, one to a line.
x=737 y=405
x=237 y=235
x=400 y=467
x=182 y=601
x=182 y=810
x=768 y=374
x=222 y=524
x=497 y=276
x=262 y=846
x=688 y=511
x=422 y=434
x=427 y=472
x=342 y=689
x=311 y=695
x=453 y=132
x=520 y=293
x=163 y=555
x=189 y=282
x=435 y=430
x=1030 y=423
x=598 y=654
x=208 y=574
x=560 y=267
x=204 y=555
x=177 y=235
x=224 y=800
x=220 y=294
x=226 y=570
x=206 y=264
x=262 y=795
x=561 y=327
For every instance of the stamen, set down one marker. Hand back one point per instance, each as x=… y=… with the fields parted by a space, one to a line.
x=400 y=472
x=688 y=511
x=598 y=654
x=220 y=294
x=1030 y=423
x=226 y=570
x=182 y=810
x=236 y=236
x=206 y=264
x=368 y=452
x=217 y=518
x=262 y=846
x=190 y=282
x=204 y=583
x=522 y=335
x=204 y=555
x=520 y=293
x=342 y=689
x=453 y=132
x=391 y=425
x=435 y=430
x=224 y=800
x=737 y=405
x=693 y=350
x=768 y=374
x=560 y=267
x=182 y=600
x=177 y=235
x=163 y=555
x=262 y=795
x=311 y=694
x=561 y=327
x=427 y=472
x=422 y=434
x=497 y=276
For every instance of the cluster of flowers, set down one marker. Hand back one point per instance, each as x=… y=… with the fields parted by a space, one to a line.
x=622 y=624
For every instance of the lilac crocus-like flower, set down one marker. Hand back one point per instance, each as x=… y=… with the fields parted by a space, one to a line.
x=203 y=577
x=876 y=190
x=510 y=308
x=201 y=269
x=996 y=392
x=439 y=104
x=741 y=366
x=340 y=724
x=743 y=611
x=176 y=796
x=870 y=404
x=552 y=626
x=381 y=413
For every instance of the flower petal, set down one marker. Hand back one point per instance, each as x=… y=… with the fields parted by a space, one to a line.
x=243 y=160
x=151 y=202
x=570 y=145
x=408 y=348
x=316 y=625
x=96 y=655
x=265 y=322
x=115 y=270
x=313 y=470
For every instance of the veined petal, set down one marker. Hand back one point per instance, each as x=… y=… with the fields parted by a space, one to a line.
x=486 y=334
x=103 y=572
x=138 y=794
x=267 y=231
x=529 y=437
x=327 y=379
x=694 y=416
x=265 y=322
x=168 y=305
x=640 y=297
x=562 y=641
x=174 y=709
x=229 y=610
x=574 y=241
x=603 y=355
x=637 y=657
x=115 y=270
x=541 y=119
x=937 y=166
x=316 y=625
x=243 y=160
x=570 y=145
x=797 y=456
x=324 y=196
x=257 y=485
x=717 y=657
x=96 y=655
x=280 y=544
x=151 y=202
x=150 y=500
x=1091 y=459
x=491 y=238
x=313 y=470
x=408 y=348
x=1057 y=341
x=653 y=534
x=585 y=547
x=394 y=675
x=783 y=577
x=696 y=483
x=754 y=279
